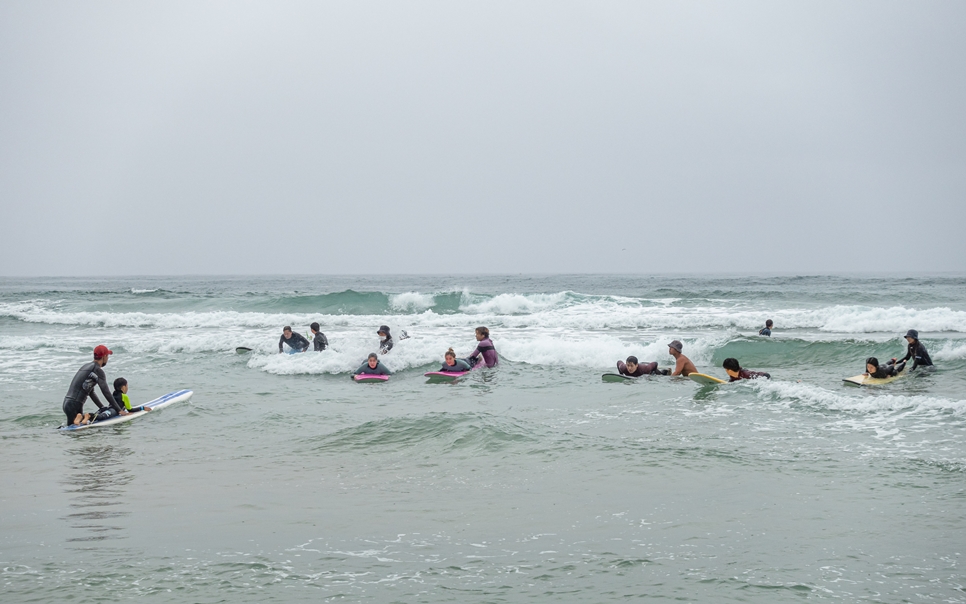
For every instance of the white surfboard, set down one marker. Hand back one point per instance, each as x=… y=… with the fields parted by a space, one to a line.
x=159 y=403
x=864 y=379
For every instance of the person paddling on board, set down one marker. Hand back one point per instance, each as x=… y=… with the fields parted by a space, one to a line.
x=766 y=331
x=454 y=365
x=682 y=364
x=874 y=370
x=121 y=398
x=484 y=348
x=916 y=351
x=88 y=378
x=634 y=369
x=372 y=366
x=319 y=342
x=295 y=341
x=735 y=372
x=385 y=339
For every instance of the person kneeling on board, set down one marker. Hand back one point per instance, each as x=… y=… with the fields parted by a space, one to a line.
x=874 y=370
x=121 y=398
x=295 y=341
x=682 y=364
x=89 y=377
x=916 y=351
x=372 y=366
x=454 y=365
x=484 y=348
x=635 y=369
x=735 y=372
x=319 y=342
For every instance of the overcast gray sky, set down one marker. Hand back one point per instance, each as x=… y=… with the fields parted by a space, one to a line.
x=458 y=137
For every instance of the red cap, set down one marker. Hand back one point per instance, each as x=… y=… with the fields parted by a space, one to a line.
x=102 y=351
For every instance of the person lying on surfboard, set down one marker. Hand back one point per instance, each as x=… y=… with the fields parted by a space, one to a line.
x=121 y=398
x=634 y=369
x=372 y=366
x=874 y=370
x=735 y=372
x=682 y=364
x=484 y=348
x=454 y=365
x=295 y=341
x=916 y=351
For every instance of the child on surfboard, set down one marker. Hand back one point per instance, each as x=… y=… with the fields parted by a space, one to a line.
x=633 y=368
x=874 y=370
x=453 y=365
x=372 y=366
x=735 y=372
x=121 y=398
x=484 y=348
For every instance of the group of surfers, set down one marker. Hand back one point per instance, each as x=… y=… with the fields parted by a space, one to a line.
x=91 y=377
x=683 y=366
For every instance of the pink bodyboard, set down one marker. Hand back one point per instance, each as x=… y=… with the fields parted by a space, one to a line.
x=366 y=377
x=454 y=374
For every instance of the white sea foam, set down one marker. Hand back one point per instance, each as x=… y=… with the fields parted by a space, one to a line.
x=411 y=301
x=861 y=401
x=950 y=351
x=135 y=290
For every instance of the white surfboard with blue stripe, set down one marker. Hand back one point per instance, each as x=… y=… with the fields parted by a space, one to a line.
x=159 y=403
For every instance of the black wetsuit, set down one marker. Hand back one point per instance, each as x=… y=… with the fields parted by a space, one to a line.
x=888 y=370
x=87 y=379
x=385 y=345
x=917 y=352
x=459 y=367
x=367 y=370
x=764 y=332
x=642 y=369
x=319 y=342
x=296 y=342
x=747 y=374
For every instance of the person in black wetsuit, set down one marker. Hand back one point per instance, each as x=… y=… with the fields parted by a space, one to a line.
x=295 y=341
x=766 y=331
x=454 y=365
x=634 y=369
x=318 y=342
x=385 y=341
x=875 y=370
x=87 y=379
x=735 y=372
x=916 y=351
x=372 y=366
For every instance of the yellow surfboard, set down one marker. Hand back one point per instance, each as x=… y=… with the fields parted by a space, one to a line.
x=705 y=380
x=865 y=380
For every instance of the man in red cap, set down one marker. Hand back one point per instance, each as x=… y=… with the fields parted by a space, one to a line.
x=88 y=378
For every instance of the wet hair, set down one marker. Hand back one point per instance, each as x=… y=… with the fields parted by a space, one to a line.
x=119 y=382
x=872 y=361
x=483 y=331
x=314 y=326
x=450 y=353
x=632 y=360
x=731 y=364
x=373 y=355
x=287 y=328
x=769 y=323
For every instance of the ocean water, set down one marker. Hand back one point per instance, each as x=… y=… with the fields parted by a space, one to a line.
x=284 y=481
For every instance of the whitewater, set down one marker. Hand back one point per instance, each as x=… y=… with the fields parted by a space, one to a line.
x=282 y=480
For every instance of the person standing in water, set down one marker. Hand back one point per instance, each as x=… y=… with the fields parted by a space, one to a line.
x=916 y=351
x=295 y=341
x=484 y=348
x=682 y=364
x=385 y=339
x=87 y=379
x=766 y=331
x=319 y=342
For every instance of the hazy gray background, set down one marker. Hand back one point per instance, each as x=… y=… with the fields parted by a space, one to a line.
x=144 y=138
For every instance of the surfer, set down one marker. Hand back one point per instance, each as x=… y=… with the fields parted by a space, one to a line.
x=121 y=398
x=372 y=366
x=484 y=348
x=916 y=351
x=89 y=377
x=874 y=370
x=766 y=331
x=318 y=341
x=634 y=369
x=454 y=365
x=682 y=364
x=735 y=372
x=295 y=341
x=385 y=339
